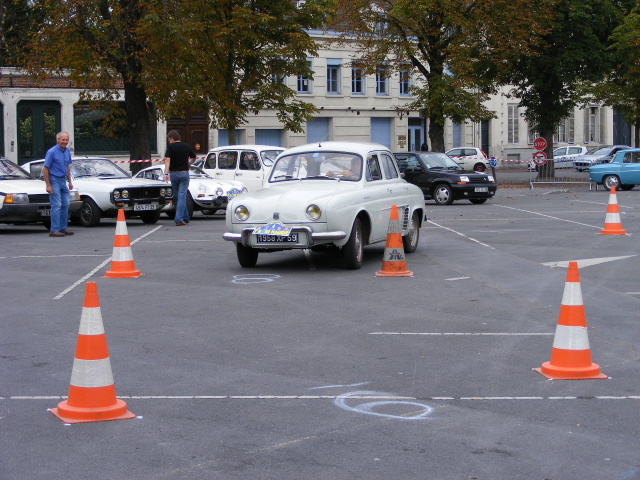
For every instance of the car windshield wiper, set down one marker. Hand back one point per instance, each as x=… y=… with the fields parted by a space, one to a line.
x=281 y=178
x=320 y=177
x=12 y=176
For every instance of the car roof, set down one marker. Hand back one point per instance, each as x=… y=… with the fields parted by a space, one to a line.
x=246 y=147
x=361 y=148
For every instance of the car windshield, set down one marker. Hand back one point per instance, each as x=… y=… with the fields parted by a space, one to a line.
x=96 y=167
x=269 y=156
x=317 y=165
x=602 y=151
x=439 y=160
x=195 y=172
x=11 y=171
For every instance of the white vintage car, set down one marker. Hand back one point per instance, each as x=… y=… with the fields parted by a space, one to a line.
x=105 y=188
x=205 y=193
x=317 y=197
x=249 y=164
x=24 y=199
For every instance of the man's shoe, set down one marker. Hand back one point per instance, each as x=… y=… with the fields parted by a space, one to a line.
x=56 y=234
x=67 y=232
x=180 y=224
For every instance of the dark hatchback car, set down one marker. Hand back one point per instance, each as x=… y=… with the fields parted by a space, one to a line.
x=442 y=180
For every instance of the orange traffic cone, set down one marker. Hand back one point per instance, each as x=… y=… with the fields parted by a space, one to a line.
x=612 y=223
x=92 y=394
x=571 y=356
x=394 y=263
x=122 y=264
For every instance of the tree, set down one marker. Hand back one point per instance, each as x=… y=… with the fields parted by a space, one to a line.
x=459 y=49
x=621 y=89
x=18 y=21
x=231 y=56
x=574 y=51
x=99 y=45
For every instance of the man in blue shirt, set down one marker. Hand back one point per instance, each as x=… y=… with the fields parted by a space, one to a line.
x=57 y=169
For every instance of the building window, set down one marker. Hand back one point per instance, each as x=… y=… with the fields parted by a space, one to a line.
x=594 y=125
x=333 y=76
x=405 y=81
x=382 y=87
x=566 y=129
x=357 y=81
x=304 y=83
x=512 y=124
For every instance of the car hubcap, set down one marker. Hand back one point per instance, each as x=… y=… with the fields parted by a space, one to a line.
x=442 y=195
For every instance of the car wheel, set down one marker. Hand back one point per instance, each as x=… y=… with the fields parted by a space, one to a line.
x=610 y=181
x=353 y=251
x=477 y=201
x=626 y=187
x=479 y=167
x=410 y=240
x=191 y=205
x=149 y=218
x=89 y=213
x=442 y=194
x=247 y=256
x=171 y=213
x=47 y=224
x=209 y=211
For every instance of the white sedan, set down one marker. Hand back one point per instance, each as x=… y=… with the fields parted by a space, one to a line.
x=105 y=188
x=205 y=192
x=333 y=195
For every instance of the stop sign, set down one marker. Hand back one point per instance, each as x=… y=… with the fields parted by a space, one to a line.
x=540 y=143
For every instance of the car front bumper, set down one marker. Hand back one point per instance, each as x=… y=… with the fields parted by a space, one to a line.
x=474 y=190
x=307 y=238
x=31 y=212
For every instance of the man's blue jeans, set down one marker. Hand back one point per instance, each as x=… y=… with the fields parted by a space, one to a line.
x=180 y=184
x=59 y=200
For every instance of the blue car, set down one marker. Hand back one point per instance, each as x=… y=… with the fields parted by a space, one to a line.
x=623 y=171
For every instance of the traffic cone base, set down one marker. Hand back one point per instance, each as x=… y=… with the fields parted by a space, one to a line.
x=612 y=222
x=394 y=263
x=571 y=354
x=92 y=393
x=122 y=264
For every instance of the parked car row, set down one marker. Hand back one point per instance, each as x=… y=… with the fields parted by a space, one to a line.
x=623 y=171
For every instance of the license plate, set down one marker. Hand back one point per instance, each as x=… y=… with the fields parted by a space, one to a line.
x=45 y=212
x=291 y=238
x=481 y=189
x=145 y=206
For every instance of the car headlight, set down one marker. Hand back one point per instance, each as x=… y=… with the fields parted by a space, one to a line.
x=491 y=179
x=116 y=194
x=124 y=194
x=202 y=188
x=74 y=195
x=16 y=198
x=314 y=212
x=464 y=178
x=245 y=189
x=219 y=192
x=241 y=213
x=169 y=192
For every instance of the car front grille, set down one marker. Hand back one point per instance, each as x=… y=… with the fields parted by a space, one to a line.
x=478 y=179
x=143 y=192
x=39 y=198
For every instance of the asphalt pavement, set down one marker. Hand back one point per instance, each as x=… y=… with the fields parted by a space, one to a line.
x=299 y=368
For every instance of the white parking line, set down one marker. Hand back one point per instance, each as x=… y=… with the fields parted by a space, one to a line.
x=462 y=334
x=550 y=216
x=93 y=272
x=333 y=397
x=462 y=235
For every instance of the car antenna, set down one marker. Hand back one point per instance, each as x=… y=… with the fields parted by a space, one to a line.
x=322 y=140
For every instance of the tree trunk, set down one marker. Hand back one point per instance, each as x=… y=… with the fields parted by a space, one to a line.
x=140 y=125
x=436 y=133
x=546 y=172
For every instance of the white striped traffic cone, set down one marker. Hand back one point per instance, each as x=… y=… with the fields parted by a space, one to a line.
x=394 y=263
x=122 y=264
x=92 y=393
x=571 y=355
x=612 y=222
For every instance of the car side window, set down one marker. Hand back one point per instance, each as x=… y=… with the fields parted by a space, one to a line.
x=456 y=152
x=373 y=169
x=36 y=169
x=210 y=162
x=469 y=152
x=249 y=161
x=635 y=157
x=227 y=160
x=628 y=157
x=390 y=170
x=575 y=150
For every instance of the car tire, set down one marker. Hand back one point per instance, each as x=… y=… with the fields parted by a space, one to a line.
x=209 y=211
x=247 y=256
x=477 y=201
x=411 y=239
x=353 y=250
x=191 y=205
x=90 y=213
x=171 y=213
x=479 y=167
x=47 y=224
x=442 y=194
x=626 y=187
x=149 y=218
x=609 y=181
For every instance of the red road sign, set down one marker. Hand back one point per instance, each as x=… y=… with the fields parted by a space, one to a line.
x=540 y=143
x=540 y=158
